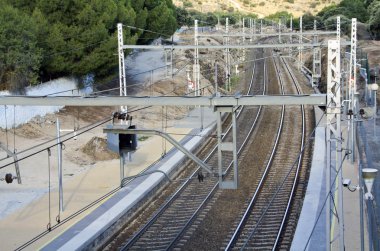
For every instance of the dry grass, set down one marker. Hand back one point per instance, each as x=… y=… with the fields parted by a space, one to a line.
x=259 y=7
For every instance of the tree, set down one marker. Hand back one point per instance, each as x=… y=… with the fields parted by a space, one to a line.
x=354 y=9
x=374 y=18
x=19 y=52
x=161 y=20
x=77 y=37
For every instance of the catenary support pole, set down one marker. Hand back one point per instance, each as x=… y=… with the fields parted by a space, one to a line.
x=59 y=154
x=122 y=77
x=352 y=85
x=334 y=134
x=300 y=48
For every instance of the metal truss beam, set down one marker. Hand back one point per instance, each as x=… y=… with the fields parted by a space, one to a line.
x=317 y=70
x=334 y=139
x=122 y=76
x=120 y=129
x=230 y=46
x=227 y=146
x=313 y=99
x=305 y=33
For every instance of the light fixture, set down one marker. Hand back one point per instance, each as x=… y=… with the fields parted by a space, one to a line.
x=369 y=175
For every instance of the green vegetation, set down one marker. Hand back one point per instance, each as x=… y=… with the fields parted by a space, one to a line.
x=234 y=81
x=187 y=17
x=374 y=18
x=366 y=11
x=42 y=39
x=143 y=138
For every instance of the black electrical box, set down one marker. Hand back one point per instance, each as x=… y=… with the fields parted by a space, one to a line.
x=122 y=142
x=128 y=142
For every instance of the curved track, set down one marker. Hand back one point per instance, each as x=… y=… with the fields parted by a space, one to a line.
x=185 y=220
x=262 y=223
x=176 y=215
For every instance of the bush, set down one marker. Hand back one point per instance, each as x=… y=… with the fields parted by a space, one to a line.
x=187 y=4
x=313 y=5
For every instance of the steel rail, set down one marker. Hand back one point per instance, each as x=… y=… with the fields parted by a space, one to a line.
x=247 y=212
x=272 y=199
x=229 y=166
x=299 y=158
x=132 y=240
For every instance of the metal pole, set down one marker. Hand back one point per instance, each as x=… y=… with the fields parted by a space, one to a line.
x=122 y=77
x=151 y=83
x=122 y=161
x=250 y=29
x=166 y=63
x=219 y=131
x=291 y=24
x=352 y=85
x=196 y=59
x=366 y=90
x=234 y=151
x=243 y=30
x=328 y=192
x=333 y=128
x=374 y=114
x=300 y=48
x=228 y=71
x=361 y=190
x=59 y=154
x=216 y=79
x=124 y=130
x=279 y=30
x=338 y=163
x=171 y=59
x=202 y=117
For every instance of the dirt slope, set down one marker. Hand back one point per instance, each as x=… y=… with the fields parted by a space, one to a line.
x=259 y=7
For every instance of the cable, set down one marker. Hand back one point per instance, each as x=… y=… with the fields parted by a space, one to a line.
x=75 y=49
x=55 y=144
x=75 y=214
x=14 y=129
x=283 y=182
x=49 y=224
x=162 y=128
x=6 y=125
x=154 y=32
x=324 y=203
x=89 y=127
x=26 y=244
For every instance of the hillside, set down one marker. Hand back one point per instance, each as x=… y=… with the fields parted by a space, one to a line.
x=259 y=7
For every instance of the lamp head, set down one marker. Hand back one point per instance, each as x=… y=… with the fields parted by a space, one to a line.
x=374 y=87
x=369 y=175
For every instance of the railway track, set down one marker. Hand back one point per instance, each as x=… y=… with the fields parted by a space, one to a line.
x=185 y=220
x=263 y=221
x=168 y=224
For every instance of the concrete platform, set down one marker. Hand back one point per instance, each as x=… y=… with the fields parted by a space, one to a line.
x=91 y=229
x=316 y=195
x=314 y=198
x=86 y=186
